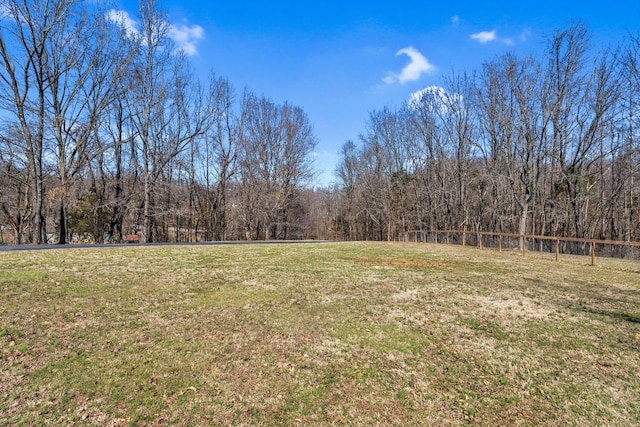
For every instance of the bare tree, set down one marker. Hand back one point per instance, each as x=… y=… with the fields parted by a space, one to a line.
x=275 y=161
x=27 y=30
x=388 y=148
x=582 y=99
x=428 y=157
x=15 y=185
x=115 y=165
x=565 y=76
x=160 y=103
x=217 y=155
x=85 y=63
x=442 y=119
x=515 y=126
x=348 y=173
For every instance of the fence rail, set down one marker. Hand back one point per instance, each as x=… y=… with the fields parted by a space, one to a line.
x=524 y=242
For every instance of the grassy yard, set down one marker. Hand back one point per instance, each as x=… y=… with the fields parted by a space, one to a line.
x=319 y=334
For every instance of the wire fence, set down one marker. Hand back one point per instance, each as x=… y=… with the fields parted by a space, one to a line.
x=522 y=242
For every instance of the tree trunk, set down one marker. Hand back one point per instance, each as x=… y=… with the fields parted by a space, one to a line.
x=62 y=238
x=522 y=228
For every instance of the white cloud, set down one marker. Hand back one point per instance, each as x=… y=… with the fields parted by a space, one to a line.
x=492 y=36
x=455 y=20
x=417 y=98
x=11 y=11
x=485 y=36
x=413 y=70
x=5 y=11
x=186 y=37
x=435 y=99
x=124 y=21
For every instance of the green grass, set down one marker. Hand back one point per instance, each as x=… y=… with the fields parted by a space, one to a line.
x=323 y=334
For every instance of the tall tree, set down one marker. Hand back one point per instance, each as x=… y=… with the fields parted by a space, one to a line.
x=85 y=64
x=15 y=185
x=348 y=175
x=26 y=33
x=515 y=125
x=160 y=101
x=275 y=161
x=217 y=153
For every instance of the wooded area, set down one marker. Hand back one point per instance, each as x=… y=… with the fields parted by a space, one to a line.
x=546 y=146
x=106 y=132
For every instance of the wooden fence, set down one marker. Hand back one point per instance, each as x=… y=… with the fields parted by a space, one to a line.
x=500 y=241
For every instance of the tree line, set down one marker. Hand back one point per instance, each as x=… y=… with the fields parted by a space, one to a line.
x=105 y=131
x=546 y=145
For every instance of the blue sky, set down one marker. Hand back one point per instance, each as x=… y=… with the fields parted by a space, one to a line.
x=339 y=60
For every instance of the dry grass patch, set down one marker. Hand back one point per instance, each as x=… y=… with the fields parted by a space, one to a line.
x=401 y=262
x=330 y=334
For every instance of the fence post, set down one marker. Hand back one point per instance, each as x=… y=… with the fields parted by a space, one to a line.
x=557 y=250
x=447 y=238
x=524 y=245
x=593 y=253
x=480 y=240
x=500 y=243
x=463 y=238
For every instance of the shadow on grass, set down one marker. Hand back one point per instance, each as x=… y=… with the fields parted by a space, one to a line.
x=615 y=304
x=614 y=315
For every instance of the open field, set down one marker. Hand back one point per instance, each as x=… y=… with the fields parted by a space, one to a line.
x=327 y=334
